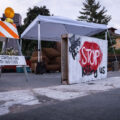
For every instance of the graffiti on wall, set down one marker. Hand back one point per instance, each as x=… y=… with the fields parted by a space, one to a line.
x=74 y=48
x=87 y=58
x=90 y=58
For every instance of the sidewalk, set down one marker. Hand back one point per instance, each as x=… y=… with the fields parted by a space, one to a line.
x=38 y=96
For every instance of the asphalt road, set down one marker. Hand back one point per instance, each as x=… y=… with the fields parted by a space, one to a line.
x=101 y=106
x=17 y=81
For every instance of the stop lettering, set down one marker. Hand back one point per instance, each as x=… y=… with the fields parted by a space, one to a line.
x=90 y=55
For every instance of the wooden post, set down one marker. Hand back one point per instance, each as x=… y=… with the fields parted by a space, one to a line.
x=64 y=59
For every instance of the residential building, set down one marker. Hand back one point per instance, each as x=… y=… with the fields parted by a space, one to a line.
x=117 y=37
x=17 y=19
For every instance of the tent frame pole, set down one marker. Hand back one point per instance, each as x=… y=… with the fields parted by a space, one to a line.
x=106 y=36
x=39 y=42
x=112 y=44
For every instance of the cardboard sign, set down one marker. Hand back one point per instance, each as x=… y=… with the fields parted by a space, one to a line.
x=12 y=60
x=87 y=58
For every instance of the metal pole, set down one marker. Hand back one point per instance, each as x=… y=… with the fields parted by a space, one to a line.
x=112 y=46
x=20 y=52
x=106 y=35
x=19 y=48
x=21 y=44
x=3 y=47
x=3 y=51
x=39 y=42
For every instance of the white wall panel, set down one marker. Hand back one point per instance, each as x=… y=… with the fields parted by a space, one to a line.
x=87 y=58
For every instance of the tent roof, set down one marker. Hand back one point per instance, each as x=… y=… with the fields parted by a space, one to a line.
x=52 y=27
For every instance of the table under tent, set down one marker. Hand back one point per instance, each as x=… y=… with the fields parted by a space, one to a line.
x=10 y=56
x=83 y=58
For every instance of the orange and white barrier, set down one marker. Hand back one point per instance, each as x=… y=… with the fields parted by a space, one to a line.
x=8 y=30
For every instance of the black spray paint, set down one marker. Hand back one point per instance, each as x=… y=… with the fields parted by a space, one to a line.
x=75 y=43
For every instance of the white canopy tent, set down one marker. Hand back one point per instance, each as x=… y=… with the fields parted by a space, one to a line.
x=50 y=28
x=53 y=27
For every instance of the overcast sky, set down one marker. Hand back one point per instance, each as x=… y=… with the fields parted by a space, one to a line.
x=66 y=8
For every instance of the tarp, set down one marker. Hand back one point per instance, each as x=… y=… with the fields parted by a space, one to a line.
x=8 y=30
x=52 y=27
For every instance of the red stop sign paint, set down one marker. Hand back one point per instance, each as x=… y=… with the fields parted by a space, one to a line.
x=90 y=55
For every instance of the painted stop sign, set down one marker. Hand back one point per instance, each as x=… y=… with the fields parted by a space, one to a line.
x=90 y=55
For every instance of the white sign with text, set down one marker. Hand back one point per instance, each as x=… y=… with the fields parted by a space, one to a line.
x=12 y=60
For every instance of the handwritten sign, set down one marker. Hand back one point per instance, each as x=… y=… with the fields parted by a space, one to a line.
x=12 y=60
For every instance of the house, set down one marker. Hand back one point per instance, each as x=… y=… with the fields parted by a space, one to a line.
x=116 y=36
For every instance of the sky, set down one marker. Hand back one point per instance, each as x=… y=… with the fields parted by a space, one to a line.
x=65 y=8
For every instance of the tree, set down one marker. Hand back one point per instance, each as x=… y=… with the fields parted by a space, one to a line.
x=31 y=15
x=92 y=12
